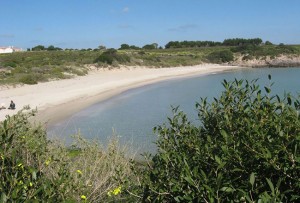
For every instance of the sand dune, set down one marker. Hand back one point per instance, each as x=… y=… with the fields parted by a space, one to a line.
x=56 y=100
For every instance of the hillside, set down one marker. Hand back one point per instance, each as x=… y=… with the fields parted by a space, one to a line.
x=32 y=67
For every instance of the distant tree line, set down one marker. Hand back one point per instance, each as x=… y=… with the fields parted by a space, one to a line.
x=240 y=42
x=226 y=42
x=100 y=48
x=184 y=44
x=43 y=48
x=133 y=47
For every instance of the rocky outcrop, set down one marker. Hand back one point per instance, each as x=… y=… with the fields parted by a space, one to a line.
x=279 y=61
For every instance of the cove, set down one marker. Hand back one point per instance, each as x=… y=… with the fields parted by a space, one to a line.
x=132 y=115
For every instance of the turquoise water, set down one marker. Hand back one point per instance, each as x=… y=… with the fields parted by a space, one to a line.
x=133 y=114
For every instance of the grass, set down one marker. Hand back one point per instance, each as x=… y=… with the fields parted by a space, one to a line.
x=34 y=168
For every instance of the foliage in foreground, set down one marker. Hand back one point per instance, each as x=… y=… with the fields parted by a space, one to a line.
x=34 y=169
x=246 y=149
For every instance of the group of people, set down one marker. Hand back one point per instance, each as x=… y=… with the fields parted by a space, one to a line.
x=12 y=106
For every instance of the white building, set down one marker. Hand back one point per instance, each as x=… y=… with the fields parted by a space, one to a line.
x=10 y=49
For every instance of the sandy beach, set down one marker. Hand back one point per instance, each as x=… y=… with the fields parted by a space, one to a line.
x=59 y=99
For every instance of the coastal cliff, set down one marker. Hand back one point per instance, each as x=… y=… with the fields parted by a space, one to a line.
x=267 y=61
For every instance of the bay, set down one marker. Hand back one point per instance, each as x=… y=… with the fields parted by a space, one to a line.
x=132 y=115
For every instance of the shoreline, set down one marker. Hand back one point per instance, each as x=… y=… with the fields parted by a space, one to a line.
x=57 y=100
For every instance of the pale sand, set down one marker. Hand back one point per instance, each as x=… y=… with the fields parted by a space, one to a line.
x=56 y=100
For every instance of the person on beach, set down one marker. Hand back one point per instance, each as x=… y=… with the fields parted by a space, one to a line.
x=12 y=105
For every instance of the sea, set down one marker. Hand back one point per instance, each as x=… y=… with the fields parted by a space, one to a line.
x=131 y=116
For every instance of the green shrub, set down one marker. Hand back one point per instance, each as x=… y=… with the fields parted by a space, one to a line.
x=220 y=56
x=35 y=169
x=112 y=55
x=105 y=58
x=246 y=149
x=22 y=150
x=10 y=64
x=79 y=72
x=29 y=79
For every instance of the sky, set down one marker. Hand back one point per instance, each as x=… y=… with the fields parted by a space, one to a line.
x=91 y=23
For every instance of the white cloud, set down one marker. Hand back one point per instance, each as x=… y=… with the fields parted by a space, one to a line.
x=125 y=10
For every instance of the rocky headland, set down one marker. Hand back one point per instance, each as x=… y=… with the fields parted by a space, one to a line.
x=267 y=61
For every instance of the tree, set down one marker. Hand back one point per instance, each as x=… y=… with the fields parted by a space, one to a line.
x=102 y=47
x=190 y=44
x=242 y=42
x=268 y=43
x=150 y=46
x=51 y=48
x=134 y=47
x=38 y=48
x=155 y=45
x=124 y=46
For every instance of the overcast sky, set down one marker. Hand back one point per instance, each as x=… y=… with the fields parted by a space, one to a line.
x=90 y=23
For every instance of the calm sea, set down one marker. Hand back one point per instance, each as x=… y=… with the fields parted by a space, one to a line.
x=133 y=114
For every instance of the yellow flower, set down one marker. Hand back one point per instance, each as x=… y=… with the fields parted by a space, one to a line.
x=47 y=162
x=20 y=166
x=83 y=197
x=79 y=172
x=115 y=191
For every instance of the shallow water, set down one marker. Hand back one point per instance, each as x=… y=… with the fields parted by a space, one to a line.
x=133 y=114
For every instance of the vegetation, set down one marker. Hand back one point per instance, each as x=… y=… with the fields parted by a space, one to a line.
x=226 y=42
x=191 y=44
x=242 y=42
x=126 y=47
x=262 y=51
x=109 y=56
x=33 y=67
x=245 y=149
x=51 y=63
x=220 y=56
x=42 y=48
x=34 y=169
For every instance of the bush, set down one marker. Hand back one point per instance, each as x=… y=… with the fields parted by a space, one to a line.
x=110 y=56
x=22 y=151
x=34 y=169
x=220 y=56
x=12 y=64
x=105 y=59
x=246 y=149
x=29 y=79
